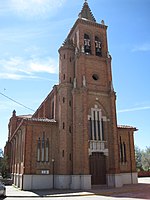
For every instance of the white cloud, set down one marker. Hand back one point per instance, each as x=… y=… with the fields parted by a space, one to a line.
x=134 y=109
x=142 y=47
x=18 y=68
x=38 y=8
x=14 y=76
x=43 y=66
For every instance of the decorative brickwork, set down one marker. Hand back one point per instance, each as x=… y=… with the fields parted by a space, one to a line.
x=73 y=135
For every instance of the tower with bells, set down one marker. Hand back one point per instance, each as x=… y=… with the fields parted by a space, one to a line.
x=88 y=129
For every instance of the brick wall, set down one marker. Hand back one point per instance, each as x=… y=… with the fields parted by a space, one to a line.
x=126 y=137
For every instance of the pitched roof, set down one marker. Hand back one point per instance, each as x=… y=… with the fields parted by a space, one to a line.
x=86 y=13
x=40 y=119
x=25 y=116
x=127 y=127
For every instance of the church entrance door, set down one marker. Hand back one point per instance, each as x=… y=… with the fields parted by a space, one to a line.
x=98 y=168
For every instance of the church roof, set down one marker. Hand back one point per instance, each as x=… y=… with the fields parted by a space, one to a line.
x=40 y=119
x=25 y=116
x=127 y=127
x=86 y=12
x=68 y=43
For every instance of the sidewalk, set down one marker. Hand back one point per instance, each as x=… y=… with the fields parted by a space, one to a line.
x=140 y=190
x=11 y=191
x=14 y=192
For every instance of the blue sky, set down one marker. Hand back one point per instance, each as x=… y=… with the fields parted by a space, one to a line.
x=31 y=32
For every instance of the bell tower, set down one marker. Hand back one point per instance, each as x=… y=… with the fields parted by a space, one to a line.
x=87 y=116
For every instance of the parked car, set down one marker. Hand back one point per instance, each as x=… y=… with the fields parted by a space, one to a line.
x=2 y=190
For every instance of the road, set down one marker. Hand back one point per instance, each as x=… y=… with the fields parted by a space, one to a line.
x=74 y=198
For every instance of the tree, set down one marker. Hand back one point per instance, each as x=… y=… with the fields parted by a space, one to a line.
x=3 y=164
x=4 y=167
x=142 y=159
x=146 y=159
x=1 y=158
x=138 y=158
x=1 y=153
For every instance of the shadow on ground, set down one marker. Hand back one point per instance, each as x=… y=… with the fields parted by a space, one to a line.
x=135 y=191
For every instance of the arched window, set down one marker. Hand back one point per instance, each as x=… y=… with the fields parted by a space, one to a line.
x=123 y=157
x=38 y=150
x=47 y=150
x=43 y=148
x=124 y=150
x=98 y=47
x=87 y=44
x=121 y=151
x=96 y=125
x=63 y=125
x=52 y=109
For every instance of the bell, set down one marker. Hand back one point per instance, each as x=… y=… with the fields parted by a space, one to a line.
x=98 y=50
x=87 y=47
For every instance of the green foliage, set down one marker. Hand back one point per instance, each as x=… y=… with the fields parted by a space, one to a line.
x=3 y=165
x=138 y=158
x=146 y=159
x=142 y=159
x=4 y=168
x=1 y=153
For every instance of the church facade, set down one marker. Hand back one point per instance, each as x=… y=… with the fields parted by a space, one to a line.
x=73 y=141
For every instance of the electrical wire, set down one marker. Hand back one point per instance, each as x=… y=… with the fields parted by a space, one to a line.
x=17 y=102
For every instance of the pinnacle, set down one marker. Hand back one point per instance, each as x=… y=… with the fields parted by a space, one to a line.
x=86 y=12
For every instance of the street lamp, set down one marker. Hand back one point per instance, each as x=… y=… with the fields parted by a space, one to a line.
x=53 y=170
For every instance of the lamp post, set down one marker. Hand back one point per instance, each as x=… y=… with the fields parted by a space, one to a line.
x=53 y=170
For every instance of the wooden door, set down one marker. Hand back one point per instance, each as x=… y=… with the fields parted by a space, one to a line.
x=98 y=168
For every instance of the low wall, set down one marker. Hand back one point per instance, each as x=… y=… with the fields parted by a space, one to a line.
x=144 y=174
x=32 y=182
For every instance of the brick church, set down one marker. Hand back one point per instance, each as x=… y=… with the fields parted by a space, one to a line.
x=73 y=141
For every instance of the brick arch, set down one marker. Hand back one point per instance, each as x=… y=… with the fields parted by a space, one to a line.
x=99 y=35
x=103 y=40
x=87 y=44
x=104 y=115
x=98 y=46
x=89 y=33
x=100 y=106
